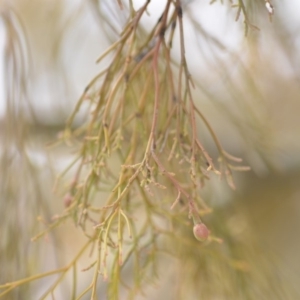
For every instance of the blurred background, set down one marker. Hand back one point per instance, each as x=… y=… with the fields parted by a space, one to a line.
x=248 y=87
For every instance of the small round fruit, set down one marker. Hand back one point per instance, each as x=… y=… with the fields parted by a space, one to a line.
x=201 y=232
x=68 y=199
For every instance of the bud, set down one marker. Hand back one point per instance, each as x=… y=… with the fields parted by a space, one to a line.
x=68 y=199
x=201 y=232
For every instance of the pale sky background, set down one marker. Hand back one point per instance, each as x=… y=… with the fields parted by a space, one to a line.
x=214 y=18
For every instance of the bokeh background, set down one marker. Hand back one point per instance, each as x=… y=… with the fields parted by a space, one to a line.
x=248 y=86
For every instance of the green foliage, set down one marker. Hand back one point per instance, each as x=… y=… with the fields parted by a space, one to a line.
x=138 y=172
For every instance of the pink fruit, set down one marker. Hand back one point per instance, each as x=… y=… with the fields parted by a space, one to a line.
x=201 y=232
x=68 y=199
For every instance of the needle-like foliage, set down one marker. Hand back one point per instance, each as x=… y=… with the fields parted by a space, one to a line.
x=135 y=184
